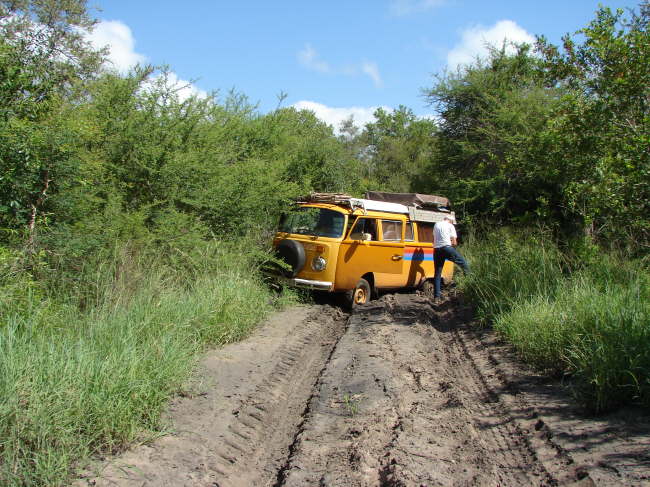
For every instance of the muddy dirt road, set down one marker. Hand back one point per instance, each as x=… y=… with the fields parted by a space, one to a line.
x=400 y=393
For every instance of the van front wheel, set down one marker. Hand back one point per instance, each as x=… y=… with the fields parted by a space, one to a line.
x=361 y=293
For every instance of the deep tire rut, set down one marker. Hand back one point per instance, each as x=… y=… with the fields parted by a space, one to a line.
x=399 y=393
x=259 y=438
x=424 y=411
x=282 y=471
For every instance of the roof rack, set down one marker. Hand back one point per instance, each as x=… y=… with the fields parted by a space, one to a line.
x=413 y=210
x=425 y=201
x=328 y=198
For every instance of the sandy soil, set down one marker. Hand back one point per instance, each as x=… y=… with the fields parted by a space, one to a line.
x=399 y=393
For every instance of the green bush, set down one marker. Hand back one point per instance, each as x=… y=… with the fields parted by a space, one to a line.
x=508 y=268
x=592 y=324
x=74 y=382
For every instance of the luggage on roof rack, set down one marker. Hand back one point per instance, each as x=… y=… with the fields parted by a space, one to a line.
x=417 y=200
x=327 y=198
x=425 y=201
x=419 y=207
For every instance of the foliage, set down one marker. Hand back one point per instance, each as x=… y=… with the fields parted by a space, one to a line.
x=34 y=145
x=43 y=56
x=603 y=122
x=592 y=323
x=559 y=137
x=48 y=35
x=398 y=146
x=495 y=159
x=74 y=382
x=503 y=262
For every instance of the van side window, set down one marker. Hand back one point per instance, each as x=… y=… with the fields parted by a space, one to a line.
x=425 y=232
x=391 y=230
x=408 y=232
x=364 y=225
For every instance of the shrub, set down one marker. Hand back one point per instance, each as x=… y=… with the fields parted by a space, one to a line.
x=508 y=268
x=592 y=323
x=77 y=382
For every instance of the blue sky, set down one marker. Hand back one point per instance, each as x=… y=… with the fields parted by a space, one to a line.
x=335 y=57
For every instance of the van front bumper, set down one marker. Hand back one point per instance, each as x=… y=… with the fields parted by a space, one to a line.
x=309 y=284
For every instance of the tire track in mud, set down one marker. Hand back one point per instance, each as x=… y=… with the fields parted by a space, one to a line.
x=422 y=411
x=259 y=437
x=523 y=419
x=399 y=393
x=239 y=431
x=497 y=438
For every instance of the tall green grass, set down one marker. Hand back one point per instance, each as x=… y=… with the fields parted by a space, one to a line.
x=78 y=380
x=588 y=319
x=509 y=268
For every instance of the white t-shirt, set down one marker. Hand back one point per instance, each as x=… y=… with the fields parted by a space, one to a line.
x=442 y=234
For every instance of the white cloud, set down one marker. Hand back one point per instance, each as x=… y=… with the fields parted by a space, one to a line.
x=335 y=115
x=372 y=70
x=118 y=37
x=475 y=39
x=310 y=59
x=406 y=7
x=183 y=88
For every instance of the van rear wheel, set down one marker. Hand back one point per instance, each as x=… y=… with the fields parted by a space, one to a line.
x=361 y=293
x=428 y=288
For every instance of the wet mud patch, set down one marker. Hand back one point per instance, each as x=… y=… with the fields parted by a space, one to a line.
x=416 y=395
x=400 y=405
x=399 y=393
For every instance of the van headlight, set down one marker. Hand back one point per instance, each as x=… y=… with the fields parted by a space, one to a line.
x=318 y=263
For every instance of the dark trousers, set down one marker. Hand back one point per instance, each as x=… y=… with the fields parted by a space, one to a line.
x=442 y=254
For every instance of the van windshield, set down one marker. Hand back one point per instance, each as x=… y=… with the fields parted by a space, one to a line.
x=313 y=221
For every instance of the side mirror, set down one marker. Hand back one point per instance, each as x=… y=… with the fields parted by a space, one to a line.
x=363 y=237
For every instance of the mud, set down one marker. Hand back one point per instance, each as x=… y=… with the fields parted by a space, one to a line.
x=399 y=393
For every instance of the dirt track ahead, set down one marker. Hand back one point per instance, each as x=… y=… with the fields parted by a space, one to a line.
x=398 y=393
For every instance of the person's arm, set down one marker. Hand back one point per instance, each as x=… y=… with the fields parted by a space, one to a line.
x=454 y=242
x=453 y=236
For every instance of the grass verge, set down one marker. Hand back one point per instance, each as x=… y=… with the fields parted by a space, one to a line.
x=588 y=319
x=74 y=383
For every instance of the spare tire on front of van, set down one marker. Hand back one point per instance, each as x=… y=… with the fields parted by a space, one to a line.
x=293 y=253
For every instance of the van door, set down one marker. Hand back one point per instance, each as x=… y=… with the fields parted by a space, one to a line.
x=391 y=241
x=418 y=255
x=364 y=250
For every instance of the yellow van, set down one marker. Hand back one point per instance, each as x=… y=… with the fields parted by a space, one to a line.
x=337 y=243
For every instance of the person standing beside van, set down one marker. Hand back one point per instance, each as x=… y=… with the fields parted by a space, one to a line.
x=444 y=241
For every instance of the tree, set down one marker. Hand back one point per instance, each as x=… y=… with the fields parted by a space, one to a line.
x=494 y=157
x=561 y=137
x=603 y=123
x=49 y=36
x=398 y=146
x=43 y=56
x=34 y=144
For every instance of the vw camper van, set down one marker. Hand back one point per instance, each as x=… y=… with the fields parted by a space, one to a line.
x=336 y=243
